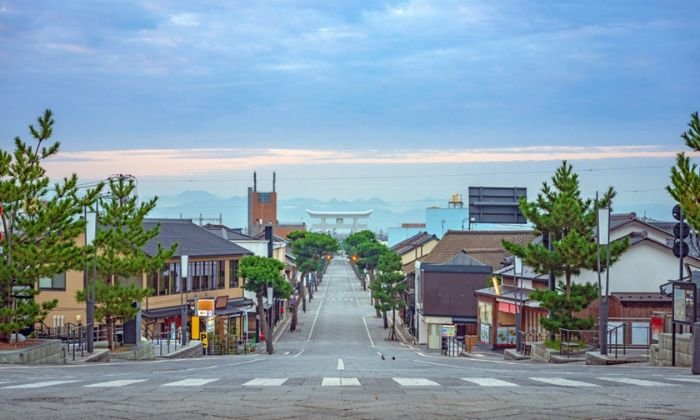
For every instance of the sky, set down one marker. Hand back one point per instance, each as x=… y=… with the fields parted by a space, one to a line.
x=354 y=99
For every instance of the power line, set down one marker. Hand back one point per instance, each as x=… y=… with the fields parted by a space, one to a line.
x=403 y=176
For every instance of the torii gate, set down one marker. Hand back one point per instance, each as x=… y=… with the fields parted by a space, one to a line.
x=341 y=218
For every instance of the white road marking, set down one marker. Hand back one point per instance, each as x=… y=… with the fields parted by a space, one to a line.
x=323 y=298
x=340 y=382
x=38 y=384
x=298 y=354
x=192 y=382
x=691 y=380
x=564 y=382
x=341 y=365
x=286 y=353
x=115 y=384
x=415 y=382
x=368 y=334
x=489 y=382
x=265 y=382
x=638 y=382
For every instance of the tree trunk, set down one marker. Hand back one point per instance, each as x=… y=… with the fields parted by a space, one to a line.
x=7 y=303
x=374 y=299
x=264 y=327
x=386 y=322
x=110 y=332
x=302 y=293
x=392 y=332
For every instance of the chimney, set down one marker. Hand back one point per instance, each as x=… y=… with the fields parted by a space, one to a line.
x=274 y=181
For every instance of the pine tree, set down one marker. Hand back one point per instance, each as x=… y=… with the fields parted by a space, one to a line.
x=388 y=287
x=259 y=274
x=118 y=252
x=40 y=226
x=570 y=221
x=685 y=178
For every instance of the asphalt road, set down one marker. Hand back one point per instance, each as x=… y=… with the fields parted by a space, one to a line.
x=338 y=363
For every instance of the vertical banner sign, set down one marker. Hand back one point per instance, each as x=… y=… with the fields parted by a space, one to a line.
x=269 y=295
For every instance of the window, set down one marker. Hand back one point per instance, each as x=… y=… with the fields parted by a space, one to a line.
x=57 y=282
x=233 y=273
x=221 y=279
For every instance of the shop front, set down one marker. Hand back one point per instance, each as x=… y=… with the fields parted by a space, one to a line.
x=497 y=317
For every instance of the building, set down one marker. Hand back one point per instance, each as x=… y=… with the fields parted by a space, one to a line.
x=410 y=250
x=445 y=296
x=262 y=211
x=635 y=281
x=440 y=220
x=212 y=274
x=406 y=231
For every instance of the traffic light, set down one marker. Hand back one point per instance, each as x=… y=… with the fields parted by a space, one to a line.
x=354 y=258
x=681 y=230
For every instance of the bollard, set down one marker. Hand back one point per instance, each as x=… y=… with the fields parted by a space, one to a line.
x=696 y=349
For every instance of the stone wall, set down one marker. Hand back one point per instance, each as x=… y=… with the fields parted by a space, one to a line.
x=46 y=352
x=143 y=352
x=540 y=353
x=660 y=354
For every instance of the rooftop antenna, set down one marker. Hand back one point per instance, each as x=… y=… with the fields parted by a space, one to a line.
x=255 y=181
x=274 y=180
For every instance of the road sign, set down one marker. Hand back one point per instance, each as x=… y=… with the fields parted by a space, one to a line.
x=204 y=339
x=681 y=230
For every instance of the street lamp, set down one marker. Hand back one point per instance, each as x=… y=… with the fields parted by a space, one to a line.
x=184 y=263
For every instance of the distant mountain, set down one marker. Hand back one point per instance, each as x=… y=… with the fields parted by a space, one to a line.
x=234 y=210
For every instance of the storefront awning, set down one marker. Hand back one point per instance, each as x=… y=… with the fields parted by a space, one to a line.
x=235 y=307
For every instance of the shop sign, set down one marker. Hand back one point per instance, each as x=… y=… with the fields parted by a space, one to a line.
x=505 y=335
x=485 y=333
x=448 y=330
x=210 y=324
x=221 y=302
x=205 y=307
x=684 y=302
x=657 y=327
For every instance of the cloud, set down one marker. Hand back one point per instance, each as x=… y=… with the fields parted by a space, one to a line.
x=187 y=162
x=184 y=19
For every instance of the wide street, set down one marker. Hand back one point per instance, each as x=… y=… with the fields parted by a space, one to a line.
x=339 y=364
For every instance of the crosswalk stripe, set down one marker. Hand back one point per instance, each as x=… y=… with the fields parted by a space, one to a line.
x=691 y=380
x=639 y=382
x=266 y=382
x=563 y=382
x=192 y=382
x=38 y=384
x=415 y=382
x=115 y=384
x=340 y=382
x=489 y=382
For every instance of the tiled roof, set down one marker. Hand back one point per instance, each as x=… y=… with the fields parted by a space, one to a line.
x=413 y=242
x=485 y=244
x=192 y=240
x=228 y=233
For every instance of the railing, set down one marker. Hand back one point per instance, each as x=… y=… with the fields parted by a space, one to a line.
x=528 y=337
x=452 y=346
x=614 y=331
x=170 y=341
x=570 y=341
